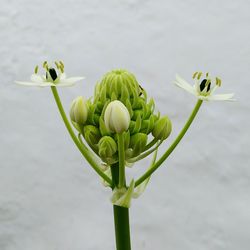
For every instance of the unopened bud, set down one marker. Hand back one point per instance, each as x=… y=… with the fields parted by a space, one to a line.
x=138 y=143
x=116 y=117
x=107 y=147
x=79 y=110
x=91 y=134
x=162 y=128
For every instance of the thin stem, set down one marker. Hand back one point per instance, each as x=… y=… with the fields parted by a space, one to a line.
x=83 y=150
x=152 y=143
x=144 y=155
x=121 y=153
x=173 y=145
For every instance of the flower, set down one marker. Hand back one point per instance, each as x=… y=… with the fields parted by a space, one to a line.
x=53 y=77
x=203 y=88
x=116 y=117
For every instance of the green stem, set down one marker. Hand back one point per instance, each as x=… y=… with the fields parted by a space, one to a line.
x=152 y=143
x=121 y=217
x=122 y=229
x=150 y=171
x=83 y=150
x=121 y=152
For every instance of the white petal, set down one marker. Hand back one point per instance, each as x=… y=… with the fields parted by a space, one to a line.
x=222 y=97
x=197 y=85
x=36 y=78
x=71 y=80
x=213 y=89
x=180 y=82
x=62 y=76
x=27 y=83
x=64 y=84
x=47 y=84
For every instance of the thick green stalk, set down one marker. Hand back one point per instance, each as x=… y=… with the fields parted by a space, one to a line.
x=121 y=217
x=83 y=150
x=173 y=145
x=122 y=229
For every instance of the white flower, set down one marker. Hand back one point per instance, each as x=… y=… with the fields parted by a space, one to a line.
x=203 y=88
x=116 y=117
x=53 y=77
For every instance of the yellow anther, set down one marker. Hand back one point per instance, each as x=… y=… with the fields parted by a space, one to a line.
x=207 y=75
x=195 y=74
x=218 y=81
x=45 y=63
x=62 y=69
x=36 y=69
x=199 y=75
x=62 y=65
x=57 y=65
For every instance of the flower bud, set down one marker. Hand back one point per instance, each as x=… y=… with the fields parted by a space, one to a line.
x=92 y=135
x=107 y=147
x=79 y=110
x=138 y=143
x=162 y=128
x=116 y=117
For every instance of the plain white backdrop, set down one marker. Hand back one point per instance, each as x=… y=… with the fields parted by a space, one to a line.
x=199 y=199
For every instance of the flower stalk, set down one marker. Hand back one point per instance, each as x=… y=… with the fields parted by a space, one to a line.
x=173 y=145
x=82 y=149
x=121 y=217
x=121 y=153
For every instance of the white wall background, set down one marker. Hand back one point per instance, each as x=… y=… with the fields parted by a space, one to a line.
x=50 y=199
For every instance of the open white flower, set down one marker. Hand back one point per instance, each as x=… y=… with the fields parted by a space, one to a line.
x=53 y=77
x=204 y=87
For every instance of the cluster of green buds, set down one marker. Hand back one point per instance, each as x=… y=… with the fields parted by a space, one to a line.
x=119 y=106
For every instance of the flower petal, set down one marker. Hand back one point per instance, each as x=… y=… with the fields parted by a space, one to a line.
x=65 y=84
x=47 y=84
x=36 y=78
x=62 y=76
x=180 y=82
x=222 y=97
x=27 y=83
x=71 y=80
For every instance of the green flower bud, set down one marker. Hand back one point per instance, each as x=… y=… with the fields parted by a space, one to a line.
x=107 y=147
x=92 y=136
x=116 y=117
x=162 y=128
x=119 y=84
x=79 y=110
x=138 y=143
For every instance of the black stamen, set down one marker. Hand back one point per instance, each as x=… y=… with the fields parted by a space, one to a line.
x=203 y=84
x=208 y=86
x=53 y=74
